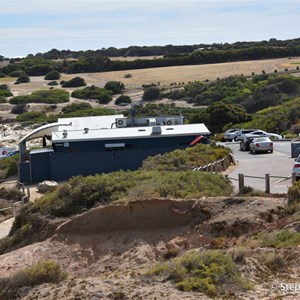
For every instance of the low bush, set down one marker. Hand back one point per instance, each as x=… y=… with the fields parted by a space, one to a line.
x=279 y=239
x=10 y=194
x=5 y=93
x=151 y=93
x=42 y=96
x=52 y=75
x=42 y=272
x=73 y=107
x=101 y=95
x=211 y=272
x=32 y=116
x=74 y=82
x=187 y=159
x=2 y=99
x=9 y=166
x=115 y=86
x=123 y=99
x=294 y=193
x=81 y=192
x=16 y=73
x=22 y=79
x=52 y=83
x=19 y=109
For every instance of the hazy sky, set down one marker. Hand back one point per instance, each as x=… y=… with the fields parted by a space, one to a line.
x=31 y=26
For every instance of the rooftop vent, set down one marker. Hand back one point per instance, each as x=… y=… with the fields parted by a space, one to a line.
x=86 y=130
x=151 y=122
x=121 y=122
x=169 y=121
x=65 y=133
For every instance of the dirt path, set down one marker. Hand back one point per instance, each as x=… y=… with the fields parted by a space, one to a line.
x=5 y=227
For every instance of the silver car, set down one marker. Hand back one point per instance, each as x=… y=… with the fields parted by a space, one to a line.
x=231 y=134
x=261 y=144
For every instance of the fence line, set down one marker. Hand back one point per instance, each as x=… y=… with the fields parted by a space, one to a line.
x=218 y=165
x=24 y=199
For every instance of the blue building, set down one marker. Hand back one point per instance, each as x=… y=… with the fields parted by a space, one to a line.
x=91 y=145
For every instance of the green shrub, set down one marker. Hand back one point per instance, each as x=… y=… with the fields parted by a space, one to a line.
x=294 y=193
x=210 y=272
x=279 y=239
x=23 y=79
x=2 y=99
x=74 y=82
x=52 y=75
x=52 y=83
x=32 y=116
x=123 y=99
x=38 y=70
x=9 y=165
x=187 y=159
x=5 y=93
x=115 y=86
x=16 y=73
x=19 y=109
x=42 y=96
x=84 y=192
x=151 y=93
x=128 y=75
x=42 y=272
x=10 y=194
x=73 y=107
x=101 y=95
x=4 y=87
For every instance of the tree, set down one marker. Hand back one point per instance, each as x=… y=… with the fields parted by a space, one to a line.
x=115 y=86
x=217 y=115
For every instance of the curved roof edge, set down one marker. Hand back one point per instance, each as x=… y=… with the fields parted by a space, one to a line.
x=43 y=130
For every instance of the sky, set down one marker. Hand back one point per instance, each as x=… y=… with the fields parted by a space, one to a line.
x=32 y=26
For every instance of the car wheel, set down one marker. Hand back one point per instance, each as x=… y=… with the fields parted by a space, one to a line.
x=271 y=151
x=251 y=151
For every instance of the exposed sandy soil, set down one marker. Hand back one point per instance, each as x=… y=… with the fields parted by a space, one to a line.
x=109 y=250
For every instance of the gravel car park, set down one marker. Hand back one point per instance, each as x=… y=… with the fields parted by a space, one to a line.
x=261 y=144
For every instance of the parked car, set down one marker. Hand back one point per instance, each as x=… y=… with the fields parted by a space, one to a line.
x=261 y=144
x=246 y=141
x=270 y=135
x=242 y=132
x=231 y=134
x=296 y=167
x=8 y=153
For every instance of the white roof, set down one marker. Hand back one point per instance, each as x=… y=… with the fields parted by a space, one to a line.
x=94 y=122
x=128 y=132
x=44 y=130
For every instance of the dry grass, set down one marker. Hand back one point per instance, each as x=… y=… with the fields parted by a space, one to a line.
x=165 y=76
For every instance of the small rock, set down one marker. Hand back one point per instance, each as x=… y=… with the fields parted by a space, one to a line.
x=47 y=186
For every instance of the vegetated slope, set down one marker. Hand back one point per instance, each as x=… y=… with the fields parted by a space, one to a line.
x=112 y=248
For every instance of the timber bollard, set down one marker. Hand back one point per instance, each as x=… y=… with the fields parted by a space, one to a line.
x=267 y=179
x=241 y=183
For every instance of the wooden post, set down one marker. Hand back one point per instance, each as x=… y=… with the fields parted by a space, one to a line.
x=267 y=179
x=293 y=177
x=241 y=182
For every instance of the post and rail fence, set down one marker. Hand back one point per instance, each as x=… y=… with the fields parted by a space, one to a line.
x=14 y=207
x=221 y=165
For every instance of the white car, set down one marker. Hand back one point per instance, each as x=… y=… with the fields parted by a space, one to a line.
x=231 y=134
x=264 y=133
x=243 y=132
x=296 y=167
